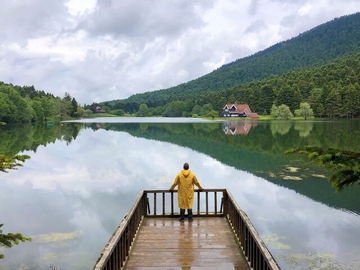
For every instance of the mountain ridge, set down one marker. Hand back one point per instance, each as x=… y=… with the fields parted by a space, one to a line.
x=320 y=45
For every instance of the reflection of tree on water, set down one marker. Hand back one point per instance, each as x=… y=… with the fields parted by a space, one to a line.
x=12 y=162
x=281 y=127
x=186 y=245
x=304 y=128
x=28 y=137
x=313 y=260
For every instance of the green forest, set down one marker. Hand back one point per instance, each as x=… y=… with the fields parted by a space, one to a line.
x=24 y=104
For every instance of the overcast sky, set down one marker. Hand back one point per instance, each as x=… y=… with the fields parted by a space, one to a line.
x=106 y=49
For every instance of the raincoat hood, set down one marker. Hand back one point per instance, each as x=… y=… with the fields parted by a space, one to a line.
x=185 y=173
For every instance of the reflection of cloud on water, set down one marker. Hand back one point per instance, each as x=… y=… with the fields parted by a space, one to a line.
x=55 y=237
x=294 y=173
x=101 y=173
x=319 y=176
x=94 y=162
x=292 y=169
x=313 y=260
x=288 y=177
x=274 y=241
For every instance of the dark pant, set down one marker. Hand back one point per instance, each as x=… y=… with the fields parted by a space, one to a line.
x=189 y=212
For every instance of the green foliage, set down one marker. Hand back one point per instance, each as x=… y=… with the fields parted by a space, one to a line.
x=175 y=109
x=207 y=108
x=88 y=113
x=281 y=112
x=143 y=110
x=288 y=97
x=212 y=114
x=25 y=104
x=344 y=164
x=304 y=111
x=196 y=109
x=118 y=112
x=158 y=111
x=312 y=260
x=79 y=112
x=10 y=239
x=12 y=162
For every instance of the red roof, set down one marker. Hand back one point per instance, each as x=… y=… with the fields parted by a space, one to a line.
x=241 y=108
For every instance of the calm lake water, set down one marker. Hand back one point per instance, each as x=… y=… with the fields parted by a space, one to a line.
x=83 y=177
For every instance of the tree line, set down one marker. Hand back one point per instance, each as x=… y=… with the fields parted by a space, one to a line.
x=22 y=104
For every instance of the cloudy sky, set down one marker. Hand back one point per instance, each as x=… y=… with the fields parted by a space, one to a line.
x=101 y=50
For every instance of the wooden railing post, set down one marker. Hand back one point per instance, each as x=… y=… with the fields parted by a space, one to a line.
x=256 y=252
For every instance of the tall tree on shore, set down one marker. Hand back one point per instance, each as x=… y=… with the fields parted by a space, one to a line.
x=304 y=111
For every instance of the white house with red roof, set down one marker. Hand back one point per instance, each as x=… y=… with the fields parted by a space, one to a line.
x=98 y=109
x=238 y=110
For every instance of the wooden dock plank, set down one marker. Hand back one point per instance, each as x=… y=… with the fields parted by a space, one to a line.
x=205 y=243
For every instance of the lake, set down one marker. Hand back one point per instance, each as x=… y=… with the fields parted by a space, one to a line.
x=83 y=177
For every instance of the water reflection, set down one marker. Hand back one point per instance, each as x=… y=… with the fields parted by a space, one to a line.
x=238 y=127
x=75 y=189
x=186 y=246
x=304 y=128
x=280 y=127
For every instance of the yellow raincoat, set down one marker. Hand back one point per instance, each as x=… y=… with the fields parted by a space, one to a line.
x=185 y=181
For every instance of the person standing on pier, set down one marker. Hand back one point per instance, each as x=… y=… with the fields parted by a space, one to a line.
x=186 y=180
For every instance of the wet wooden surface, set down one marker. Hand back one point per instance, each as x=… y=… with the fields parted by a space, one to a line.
x=167 y=243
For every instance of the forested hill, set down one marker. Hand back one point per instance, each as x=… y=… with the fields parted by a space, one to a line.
x=318 y=46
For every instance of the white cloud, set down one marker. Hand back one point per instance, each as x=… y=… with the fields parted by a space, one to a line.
x=79 y=7
x=105 y=50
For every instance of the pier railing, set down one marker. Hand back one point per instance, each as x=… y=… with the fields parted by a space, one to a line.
x=255 y=250
x=207 y=203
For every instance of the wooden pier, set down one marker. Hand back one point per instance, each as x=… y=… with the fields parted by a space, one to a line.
x=152 y=237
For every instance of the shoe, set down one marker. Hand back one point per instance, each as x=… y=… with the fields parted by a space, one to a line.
x=181 y=220
x=190 y=220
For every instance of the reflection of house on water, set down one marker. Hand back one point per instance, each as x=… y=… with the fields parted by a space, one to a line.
x=238 y=127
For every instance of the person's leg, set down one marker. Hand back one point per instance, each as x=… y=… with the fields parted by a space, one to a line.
x=190 y=215
x=182 y=214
